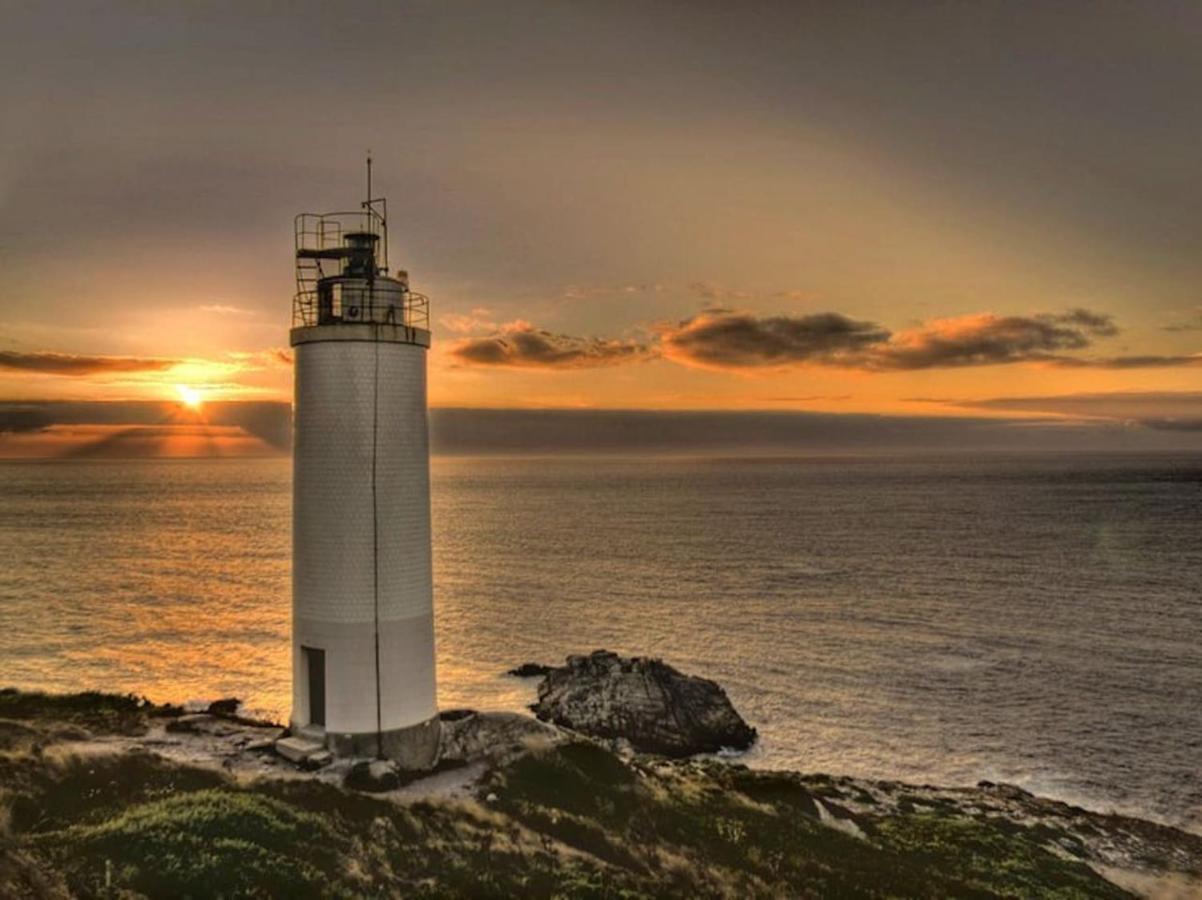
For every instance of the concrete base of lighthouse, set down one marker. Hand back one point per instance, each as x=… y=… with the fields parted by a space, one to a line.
x=414 y=747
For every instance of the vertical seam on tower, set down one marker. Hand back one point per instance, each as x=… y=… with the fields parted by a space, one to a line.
x=375 y=538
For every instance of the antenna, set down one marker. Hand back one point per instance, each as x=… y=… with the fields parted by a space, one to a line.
x=369 y=197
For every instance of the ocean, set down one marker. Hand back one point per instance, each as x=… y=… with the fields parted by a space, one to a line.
x=1031 y=619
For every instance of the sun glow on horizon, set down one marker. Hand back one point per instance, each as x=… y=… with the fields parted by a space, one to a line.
x=190 y=396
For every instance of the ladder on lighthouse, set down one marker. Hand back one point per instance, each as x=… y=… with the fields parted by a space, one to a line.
x=313 y=232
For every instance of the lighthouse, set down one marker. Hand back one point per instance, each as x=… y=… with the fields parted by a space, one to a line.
x=363 y=677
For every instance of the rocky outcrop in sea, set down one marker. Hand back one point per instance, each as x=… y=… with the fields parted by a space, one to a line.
x=643 y=701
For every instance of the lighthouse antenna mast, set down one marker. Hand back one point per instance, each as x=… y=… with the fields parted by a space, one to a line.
x=375 y=219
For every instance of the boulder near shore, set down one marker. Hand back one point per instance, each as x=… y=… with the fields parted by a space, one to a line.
x=644 y=701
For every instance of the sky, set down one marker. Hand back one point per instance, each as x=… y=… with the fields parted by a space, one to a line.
x=916 y=213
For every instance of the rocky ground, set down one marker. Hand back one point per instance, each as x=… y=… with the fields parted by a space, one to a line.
x=103 y=795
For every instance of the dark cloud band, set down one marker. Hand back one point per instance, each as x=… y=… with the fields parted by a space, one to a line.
x=486 y=431
x=270 y=421
x=76 y=365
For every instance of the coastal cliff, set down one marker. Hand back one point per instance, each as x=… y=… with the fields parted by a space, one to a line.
x=108 y=795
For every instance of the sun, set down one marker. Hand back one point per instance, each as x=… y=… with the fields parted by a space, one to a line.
x=190 y=396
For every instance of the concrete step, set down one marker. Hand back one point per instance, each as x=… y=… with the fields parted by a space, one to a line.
x=298 y=749
x=312 y=733
x=319 y=760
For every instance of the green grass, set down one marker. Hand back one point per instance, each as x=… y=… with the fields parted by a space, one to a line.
x=208 y=842
x=104 y=713
x=991 y=856
x=163 y=830
x=746 y=832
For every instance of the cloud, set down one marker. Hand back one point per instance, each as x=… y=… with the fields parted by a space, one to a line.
x=1127 y=362
x=580 y=292
x=147 y=428
x=77 y=365
x=479 y=319
x=808 y=398
x=1105 y=403
x=728 y=339
x=520 y=345
x=269 y=421
x=226 y=309
x=23 y=419
x=1173 y=424
x=722 y=294
x=1192 y=323
x=525 y=431
x=717 y=292
x=272 y=357
x=732 y=339
x=985 y=339
x=1159 y=410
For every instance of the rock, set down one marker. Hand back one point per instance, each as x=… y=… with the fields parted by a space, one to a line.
x=1006 y=791
x=645 y=701
x=499 y=736
x=226 y=707
x=165 y=711
x=531 y=670
x=297 y=748
x=71 y=733
x=191 y=723
x=17 y=735
x=373 y=776
x=318 y=760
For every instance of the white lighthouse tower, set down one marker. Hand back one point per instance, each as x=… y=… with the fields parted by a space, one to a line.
x=363 y=679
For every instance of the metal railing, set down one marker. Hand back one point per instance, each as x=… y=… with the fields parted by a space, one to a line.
x=324 y=231
x=410 y=309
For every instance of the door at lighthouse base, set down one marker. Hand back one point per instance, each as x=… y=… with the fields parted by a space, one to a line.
x=315 y=664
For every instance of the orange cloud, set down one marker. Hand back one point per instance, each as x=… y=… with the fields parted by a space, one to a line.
x=985 y=339
x=520 y=345
x=735 y=340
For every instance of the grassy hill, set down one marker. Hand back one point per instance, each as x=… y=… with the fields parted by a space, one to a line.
x=566 y=820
